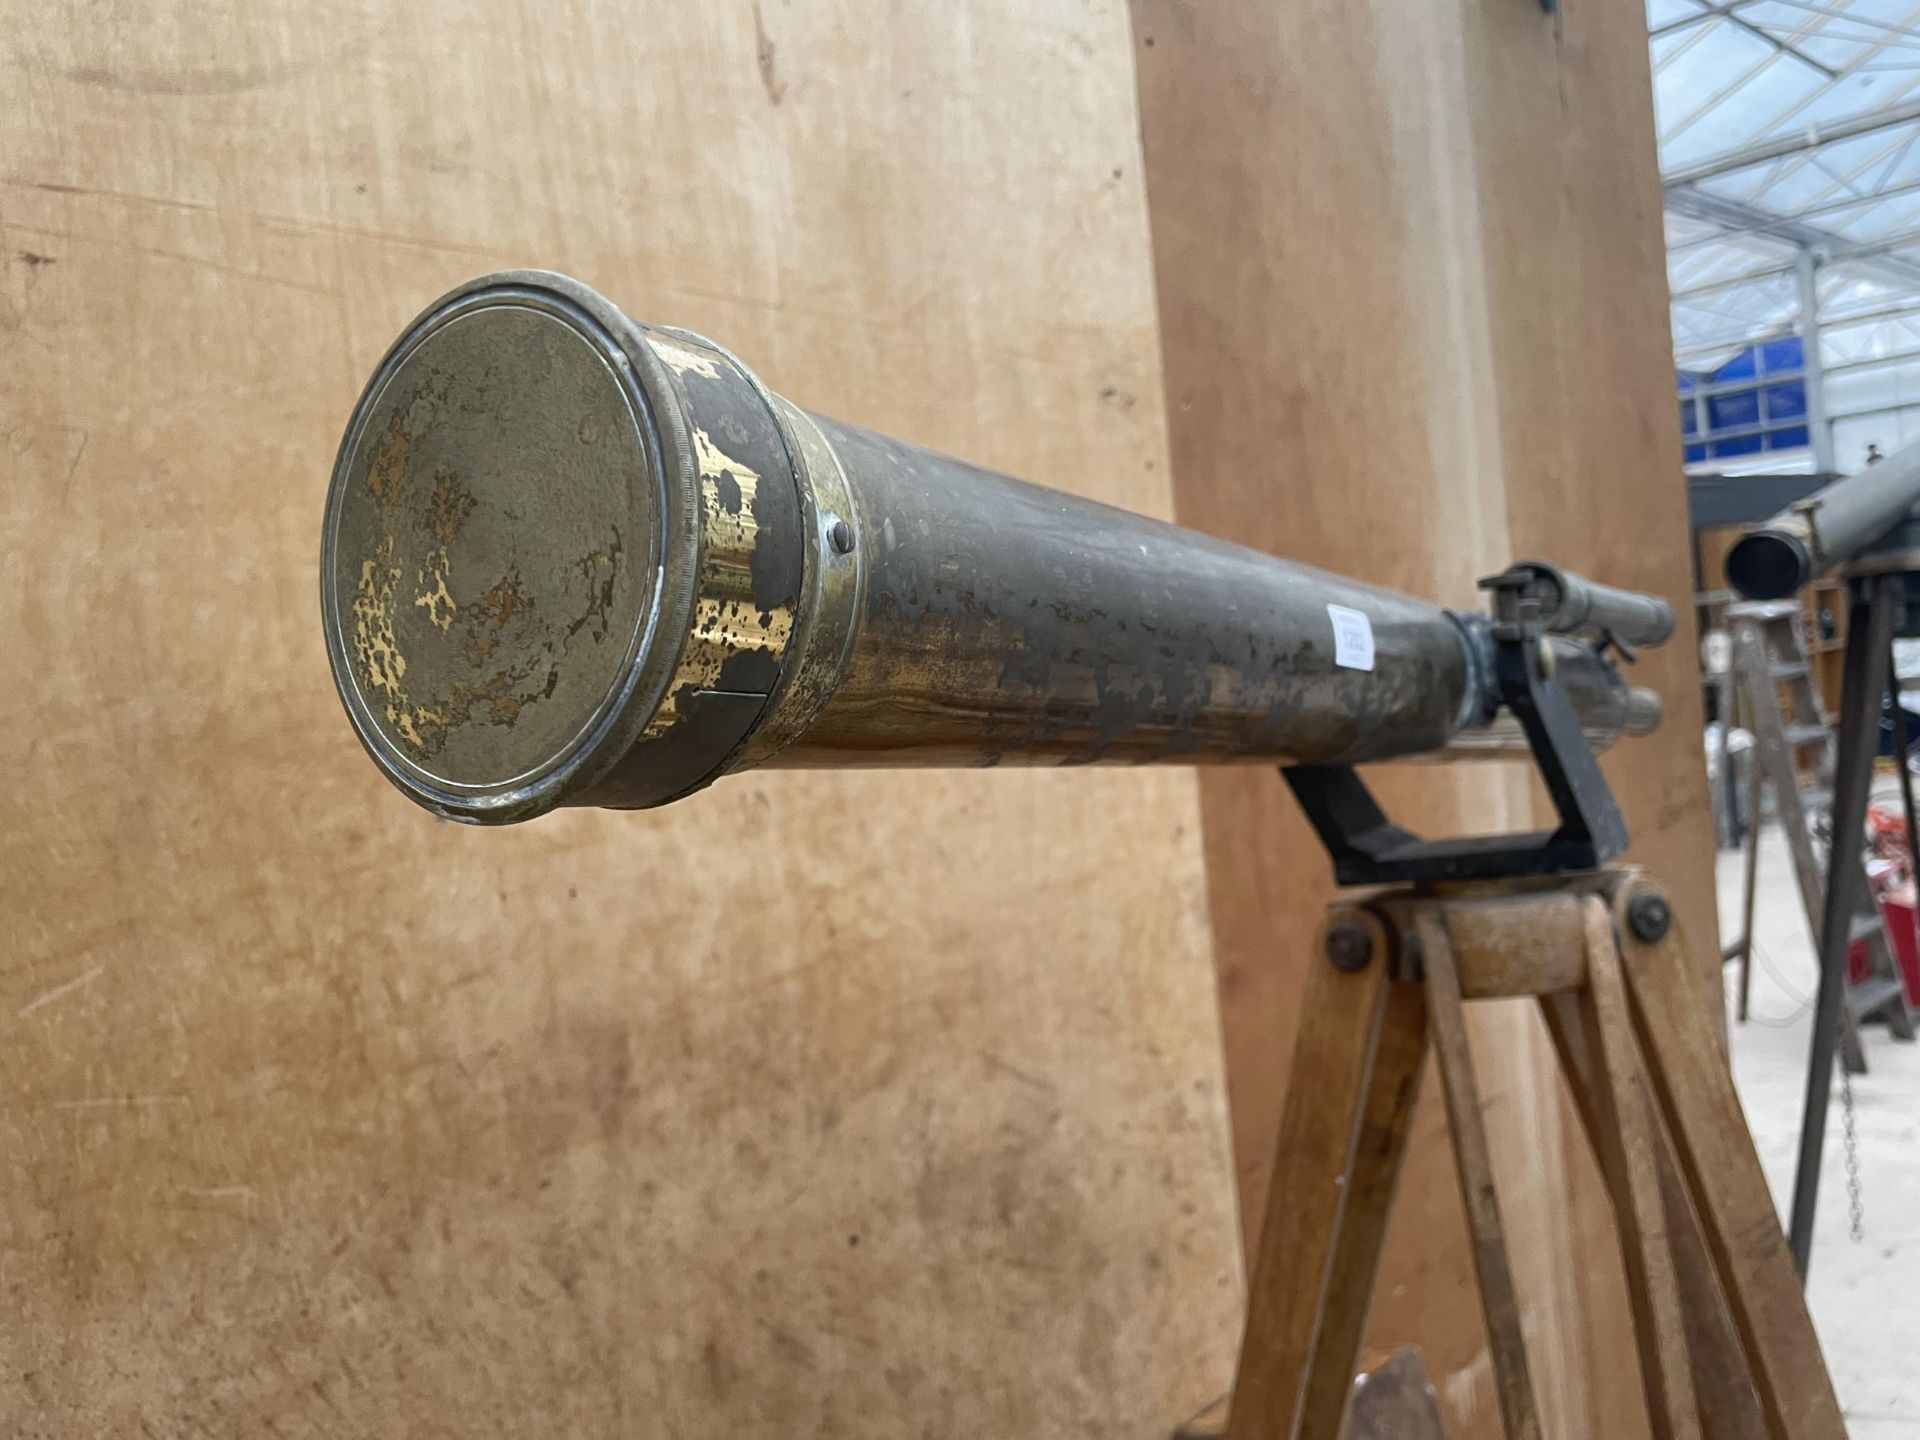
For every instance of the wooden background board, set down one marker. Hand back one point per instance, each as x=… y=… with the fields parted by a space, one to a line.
x=1412 y=296
x=871 y=1105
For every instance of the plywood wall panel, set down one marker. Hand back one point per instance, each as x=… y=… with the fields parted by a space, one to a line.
x=876 y=1105
x=1409 y=273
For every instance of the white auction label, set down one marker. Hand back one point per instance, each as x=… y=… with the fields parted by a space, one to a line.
x=1352 y=637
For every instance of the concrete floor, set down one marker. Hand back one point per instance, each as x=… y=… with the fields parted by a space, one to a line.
x=1865 y=1296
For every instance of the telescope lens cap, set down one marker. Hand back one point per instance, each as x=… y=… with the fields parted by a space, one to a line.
x=497 y=531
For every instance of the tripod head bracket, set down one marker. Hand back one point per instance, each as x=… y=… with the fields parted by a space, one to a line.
x=1367 y=848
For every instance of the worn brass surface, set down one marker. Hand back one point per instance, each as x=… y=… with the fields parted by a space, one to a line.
x=478 y=651
x=563 y=555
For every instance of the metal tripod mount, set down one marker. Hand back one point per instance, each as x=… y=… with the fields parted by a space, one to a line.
x=1367 y=848
x=1726 y=1346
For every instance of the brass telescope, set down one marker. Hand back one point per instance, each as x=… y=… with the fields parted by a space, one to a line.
x=571 y=559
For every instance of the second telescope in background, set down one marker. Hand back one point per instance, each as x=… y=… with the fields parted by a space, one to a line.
x=1828 y=528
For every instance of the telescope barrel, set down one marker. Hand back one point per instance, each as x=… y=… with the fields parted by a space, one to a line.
x=569 y=559
x=1827 y=528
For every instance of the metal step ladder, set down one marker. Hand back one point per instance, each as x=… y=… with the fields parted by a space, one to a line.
x=1793 y=755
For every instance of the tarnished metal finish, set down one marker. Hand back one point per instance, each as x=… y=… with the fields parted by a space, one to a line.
x=574 y=560
x=515 y=620
x=748 y=578
x=1003 y=623
x=1608 y=709
x=745 y=591
x=830 y=609
x=481 y=660
x=563 y=556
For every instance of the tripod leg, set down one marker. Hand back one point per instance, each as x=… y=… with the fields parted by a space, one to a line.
x=1694 y=1087
x=1756 y=792
x=1630 y=1154
x=1491 y=1264
x=1350 y=1098
x=1729 y=1407
x=1386 y=1117
x=1863 y=688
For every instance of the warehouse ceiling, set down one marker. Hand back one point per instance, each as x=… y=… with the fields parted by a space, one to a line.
x=1790 y=147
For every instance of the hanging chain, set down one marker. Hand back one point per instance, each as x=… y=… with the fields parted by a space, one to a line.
x=1850 y=1138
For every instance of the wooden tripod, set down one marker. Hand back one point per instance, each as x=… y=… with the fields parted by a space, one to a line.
x=1726 y=1345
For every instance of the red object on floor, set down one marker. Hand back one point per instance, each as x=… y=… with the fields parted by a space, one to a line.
x=1897 y=913
x=1889 y=875
x=1887 y=834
